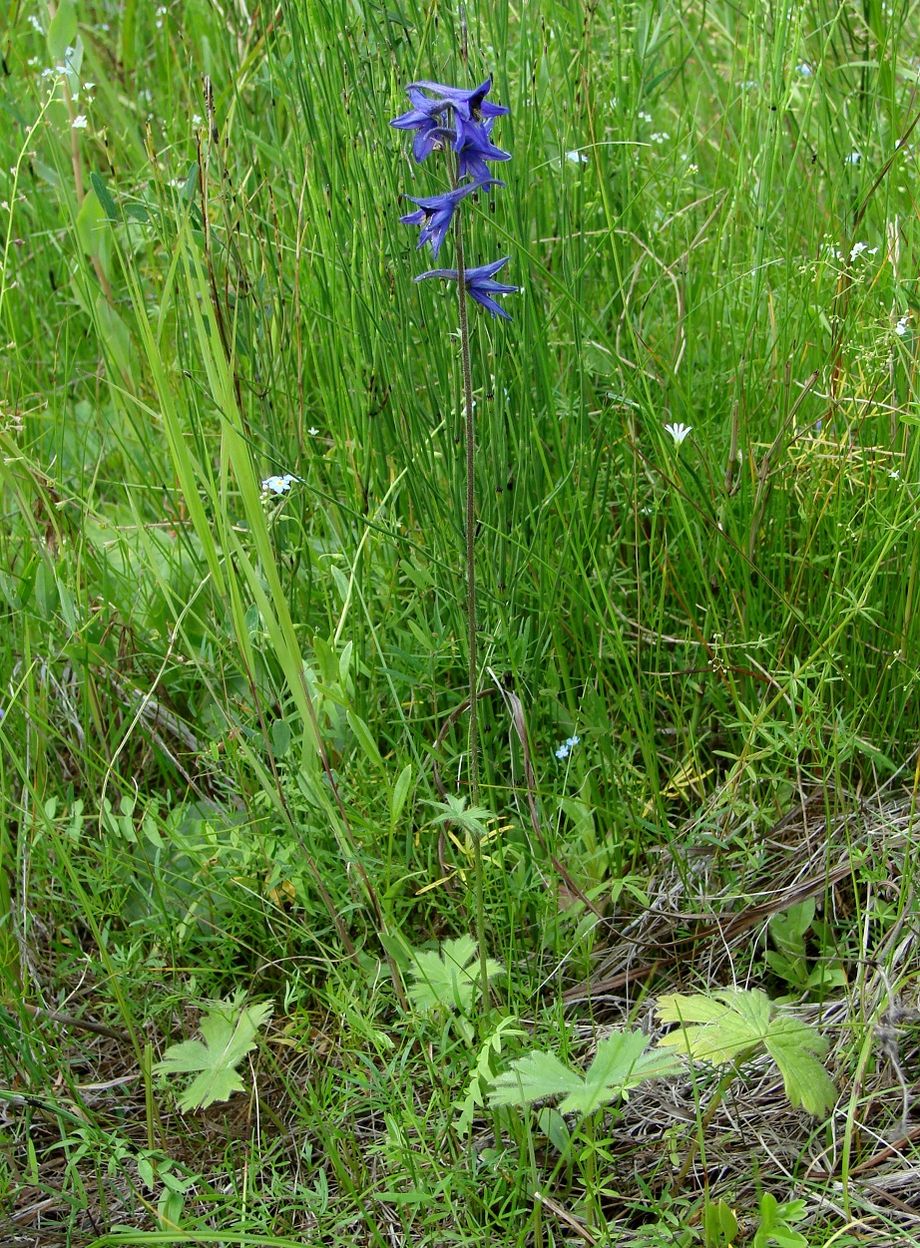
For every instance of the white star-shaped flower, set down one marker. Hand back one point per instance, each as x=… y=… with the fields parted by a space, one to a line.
x=678 y=432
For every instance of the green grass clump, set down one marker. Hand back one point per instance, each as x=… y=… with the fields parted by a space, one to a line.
x=229 y=732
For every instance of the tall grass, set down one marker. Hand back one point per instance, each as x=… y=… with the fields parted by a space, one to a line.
x=210 y=697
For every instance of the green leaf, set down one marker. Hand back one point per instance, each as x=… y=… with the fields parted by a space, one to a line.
x=399 y=794
x=91 y=222
x=720 y=1226
x=447 y=978
x=281 y=737
x=788 y=929
x=365 y=738
x=229 y=1030
x=483 y=1073
x=114 y=333
x=733 y=1025
x=104 y=196
x=621 y=1063
x=774 y=1230
x=535 y=1077
x=63 y=30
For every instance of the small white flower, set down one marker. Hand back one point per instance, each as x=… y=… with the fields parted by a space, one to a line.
x=858 y=248
x=678 y=432
x=660 y=136
x=35 y=23
x=313 y=431
x=278 y=485
x=749 y=84
x=854 y=158
x=901 y=328
x=804 y=70
x=79 y=122
x=576 y=157
x=196 y=119
x=894 y=474
x=647 y=117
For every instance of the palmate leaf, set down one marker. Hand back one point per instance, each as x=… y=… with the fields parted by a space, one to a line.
x=735 y=1024
x=447 y=978
x=229 y=1029
x=621 y=1063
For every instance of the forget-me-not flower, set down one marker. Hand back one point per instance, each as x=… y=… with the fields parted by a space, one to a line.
x=564 y=750
x=279 y=485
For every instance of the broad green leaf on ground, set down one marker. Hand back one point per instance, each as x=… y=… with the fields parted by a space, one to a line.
x=535 y=1077
x=229 y=1029
x=774 y=1230
x=735 y=1024
x=448 y=978
x=621 y=1063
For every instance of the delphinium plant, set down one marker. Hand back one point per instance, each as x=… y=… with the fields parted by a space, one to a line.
x=457 y=125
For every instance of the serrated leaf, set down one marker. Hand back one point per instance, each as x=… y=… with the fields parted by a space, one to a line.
x=722 y=1028
x=795 y=1047
x=621 y=1063
x=535 y=1077
x=448 y=978
x=229 y=1030
x=735 y=1024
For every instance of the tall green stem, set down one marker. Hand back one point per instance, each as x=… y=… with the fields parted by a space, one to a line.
x=471 y=625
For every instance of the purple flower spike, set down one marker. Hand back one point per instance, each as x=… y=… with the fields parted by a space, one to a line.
x=469 y=104
x=479 y=284
x=435 y=212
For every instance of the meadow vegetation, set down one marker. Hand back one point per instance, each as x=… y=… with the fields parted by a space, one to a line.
x=241 y=986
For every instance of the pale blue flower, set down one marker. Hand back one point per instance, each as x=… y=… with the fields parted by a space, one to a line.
x=564 y=750
x=279 y=485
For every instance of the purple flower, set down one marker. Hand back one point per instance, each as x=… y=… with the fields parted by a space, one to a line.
x=479 y=284
x=474 y=147
x=435 y=212
x=468 y=104
x=430 y=131
x=429 y=100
